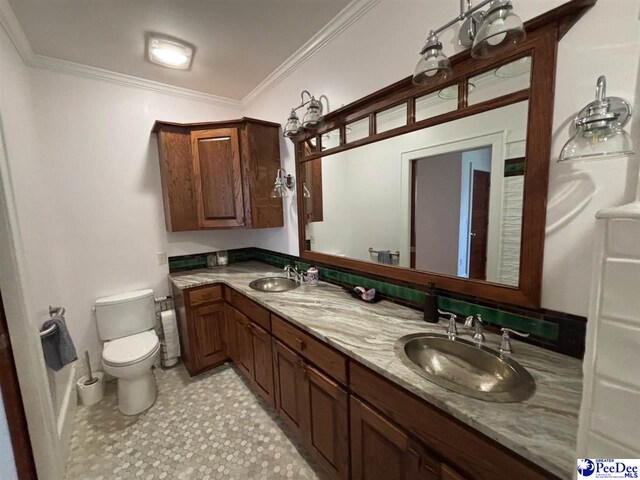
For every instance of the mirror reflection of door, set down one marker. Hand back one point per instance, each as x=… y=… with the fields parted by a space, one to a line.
x=479 y=224
x=441 y=240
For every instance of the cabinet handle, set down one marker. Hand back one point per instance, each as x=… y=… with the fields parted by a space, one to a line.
x=300 y=344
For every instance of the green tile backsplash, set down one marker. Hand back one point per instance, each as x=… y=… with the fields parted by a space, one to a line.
x=545 y=327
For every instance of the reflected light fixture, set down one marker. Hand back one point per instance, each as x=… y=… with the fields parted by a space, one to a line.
x=487 y=32
x=599 y=129
x=169 y=52
x=312 y=118
x=284 y=185
x=451 y=92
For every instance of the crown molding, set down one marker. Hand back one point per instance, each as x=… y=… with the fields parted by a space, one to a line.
x=338 y=24
x=108 y=76
x=343 y=20
x=10 y=23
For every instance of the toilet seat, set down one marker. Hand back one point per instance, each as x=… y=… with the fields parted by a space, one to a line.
x=130 y=349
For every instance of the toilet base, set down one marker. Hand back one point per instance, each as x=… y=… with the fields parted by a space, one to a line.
x=135 y=395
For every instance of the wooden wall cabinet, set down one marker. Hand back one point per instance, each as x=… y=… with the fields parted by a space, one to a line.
x=219 y=174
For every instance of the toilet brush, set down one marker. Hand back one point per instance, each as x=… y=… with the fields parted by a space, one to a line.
x=90 y=378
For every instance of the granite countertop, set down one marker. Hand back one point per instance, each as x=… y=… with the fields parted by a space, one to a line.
x=542 y=429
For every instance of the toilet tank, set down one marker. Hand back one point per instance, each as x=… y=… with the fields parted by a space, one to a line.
x=125 y=314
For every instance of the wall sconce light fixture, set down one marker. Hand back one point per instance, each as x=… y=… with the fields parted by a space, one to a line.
x=284 y=184
x=486 y=32
x=599 y=129
x=312 y=118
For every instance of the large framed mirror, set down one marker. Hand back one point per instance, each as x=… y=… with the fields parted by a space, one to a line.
x=444 y=184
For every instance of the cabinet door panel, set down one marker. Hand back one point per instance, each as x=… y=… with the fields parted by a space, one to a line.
x=244 y=344
x=232 y=334
x=209 y=335
x=380 y=450
x=263 y=363
x=292 y=394
x=218 y=178
x=328 y=431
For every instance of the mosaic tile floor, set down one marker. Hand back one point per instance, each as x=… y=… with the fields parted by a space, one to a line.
x=207 y=427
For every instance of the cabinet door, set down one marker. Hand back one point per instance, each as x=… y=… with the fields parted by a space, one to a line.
x=448 y=473
x=244 y=344
x=217 y=178
x=328 y=432
x=209 y=335
x=232 y=334
x=381 y=451
x=263 y=363
x=291 y=392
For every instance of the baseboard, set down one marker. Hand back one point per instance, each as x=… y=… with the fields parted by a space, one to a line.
x=67 y=414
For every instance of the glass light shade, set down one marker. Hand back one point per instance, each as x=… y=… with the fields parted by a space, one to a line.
x=595 y=144
x=499 y=29
x=169 y=52
x=313 y=117
x=433 y=66
x=279 y=191
x=292 y=127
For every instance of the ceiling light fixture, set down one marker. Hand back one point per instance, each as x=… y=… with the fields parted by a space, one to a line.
x=486 y=32
x=599 y=129
x=169 y=52
x=312 y=118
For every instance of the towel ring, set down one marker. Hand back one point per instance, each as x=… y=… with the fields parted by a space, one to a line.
x=53 y=312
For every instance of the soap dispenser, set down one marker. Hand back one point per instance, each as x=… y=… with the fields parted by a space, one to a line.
x=431 y=304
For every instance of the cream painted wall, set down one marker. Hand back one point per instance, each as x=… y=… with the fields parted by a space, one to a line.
x=27 y=273
x=374 y=52
x=103 y=192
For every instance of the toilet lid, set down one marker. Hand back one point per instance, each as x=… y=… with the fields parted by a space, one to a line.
x=131 y=348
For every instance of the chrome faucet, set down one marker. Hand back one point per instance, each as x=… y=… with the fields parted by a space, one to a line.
x=452 y=328
x=505 y=344
x=293 y=273
x=476 y=323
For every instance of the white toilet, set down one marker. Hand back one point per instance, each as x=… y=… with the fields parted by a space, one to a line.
x=131 y=347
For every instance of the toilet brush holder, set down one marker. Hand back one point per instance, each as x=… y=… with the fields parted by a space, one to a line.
x=91 y=391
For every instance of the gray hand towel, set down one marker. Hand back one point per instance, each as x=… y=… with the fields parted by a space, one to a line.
x=58 y=347
x=384 y=256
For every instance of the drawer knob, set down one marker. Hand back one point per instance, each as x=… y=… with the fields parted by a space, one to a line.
x=300 y=344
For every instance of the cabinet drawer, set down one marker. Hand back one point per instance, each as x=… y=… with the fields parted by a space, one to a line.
x=251 y=309
x=206 y=294
x=313 y=350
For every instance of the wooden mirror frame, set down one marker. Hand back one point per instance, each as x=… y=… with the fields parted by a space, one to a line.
x=543 y=34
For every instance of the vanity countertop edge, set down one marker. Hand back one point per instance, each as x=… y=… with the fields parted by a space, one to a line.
x=544 y=432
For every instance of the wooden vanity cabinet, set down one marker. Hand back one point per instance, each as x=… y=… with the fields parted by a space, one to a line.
x=219 y=174
x=202 y=327
x=315 y=407
x=382 y=451
x=250 y=349
x=357 y=424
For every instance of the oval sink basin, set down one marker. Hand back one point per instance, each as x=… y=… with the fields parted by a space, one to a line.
x=274 y=284
x=466 y=368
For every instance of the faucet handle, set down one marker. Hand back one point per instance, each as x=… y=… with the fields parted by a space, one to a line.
x=505 y=344
x=452 y=328
x=468 y=321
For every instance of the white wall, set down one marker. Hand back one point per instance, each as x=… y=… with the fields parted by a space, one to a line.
x=103 y=193
x=374 y=52
x=27 y=273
